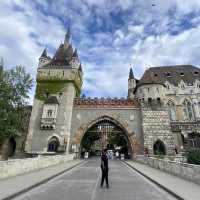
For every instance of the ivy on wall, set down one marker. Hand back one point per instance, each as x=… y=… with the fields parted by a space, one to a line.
x=52 y=87
x=43 y=88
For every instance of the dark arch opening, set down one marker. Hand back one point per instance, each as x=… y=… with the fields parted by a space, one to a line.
x=159 y=148
x=105 y=134
x=194 y=140
x=53 y=144
x=11 y=146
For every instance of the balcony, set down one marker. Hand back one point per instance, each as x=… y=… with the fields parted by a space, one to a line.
x=48 y=123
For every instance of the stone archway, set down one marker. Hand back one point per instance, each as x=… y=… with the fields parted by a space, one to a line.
x=159 y=148
x=133 y=140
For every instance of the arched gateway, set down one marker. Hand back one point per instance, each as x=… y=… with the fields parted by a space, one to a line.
x=106 y=123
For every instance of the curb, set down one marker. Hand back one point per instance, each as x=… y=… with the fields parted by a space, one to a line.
x=157 y=183
x=41 y=182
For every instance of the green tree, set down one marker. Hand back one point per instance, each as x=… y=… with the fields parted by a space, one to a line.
x=14 y=87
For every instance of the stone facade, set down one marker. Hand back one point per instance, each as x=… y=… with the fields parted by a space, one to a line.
x=156 y=126
x=157 y=113
x=175 y=89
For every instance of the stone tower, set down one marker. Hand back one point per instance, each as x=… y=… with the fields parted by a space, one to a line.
x=131 y=84
x=59 y=81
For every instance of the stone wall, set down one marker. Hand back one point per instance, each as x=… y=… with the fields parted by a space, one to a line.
x=37 y=139
x=156 y=126
x=183 y=170
x=20 y=166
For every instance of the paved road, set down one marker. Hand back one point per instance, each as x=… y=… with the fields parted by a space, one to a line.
x=83 y=183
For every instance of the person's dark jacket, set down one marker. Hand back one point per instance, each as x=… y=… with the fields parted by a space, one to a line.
x=104 y=162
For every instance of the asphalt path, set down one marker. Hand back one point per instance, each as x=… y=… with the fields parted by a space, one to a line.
x=83 y=182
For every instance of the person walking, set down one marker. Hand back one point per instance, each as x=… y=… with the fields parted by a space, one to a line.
x=104 y=168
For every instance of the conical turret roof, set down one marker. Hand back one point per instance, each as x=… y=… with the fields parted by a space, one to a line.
x=44 y=54
x=131 y=76
x=75 y=54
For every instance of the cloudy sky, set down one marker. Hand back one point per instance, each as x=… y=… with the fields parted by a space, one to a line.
x=110 y=35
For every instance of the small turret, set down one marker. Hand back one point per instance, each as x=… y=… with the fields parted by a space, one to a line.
x=44 y=59
x=44 y=54
x=131 y=84
x=131 y=76
x=75 y=54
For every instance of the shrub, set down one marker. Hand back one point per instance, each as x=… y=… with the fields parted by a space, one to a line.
x=193 y=156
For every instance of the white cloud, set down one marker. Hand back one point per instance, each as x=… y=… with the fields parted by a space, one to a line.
x=139 y=33
x=168 y=50
x=136 y=29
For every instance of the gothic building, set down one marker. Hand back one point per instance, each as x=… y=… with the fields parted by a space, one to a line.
x=161 y=113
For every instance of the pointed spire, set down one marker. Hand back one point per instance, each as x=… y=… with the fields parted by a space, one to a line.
x=75 y=54
x=131 y=76
x=44 y=54
x=67 y=36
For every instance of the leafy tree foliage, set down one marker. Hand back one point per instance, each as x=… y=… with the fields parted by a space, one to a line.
x=14 y=87
x=193 y=156
x=89 y=138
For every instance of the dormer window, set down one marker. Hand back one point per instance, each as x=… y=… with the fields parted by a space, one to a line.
x=181 y=74
x=155 y=75
x=196 y=73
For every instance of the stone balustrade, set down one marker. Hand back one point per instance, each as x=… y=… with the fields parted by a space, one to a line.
x=20 y=166
x=183 y=170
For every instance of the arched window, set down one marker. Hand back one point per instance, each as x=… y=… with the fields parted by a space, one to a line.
x=159 y=148
x=172 y=110
x=53 y=144
x=188 y=109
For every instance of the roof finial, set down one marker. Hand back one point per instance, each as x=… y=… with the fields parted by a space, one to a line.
x=67 y=36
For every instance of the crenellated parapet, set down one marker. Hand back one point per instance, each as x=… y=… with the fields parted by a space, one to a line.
x=105 y=103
